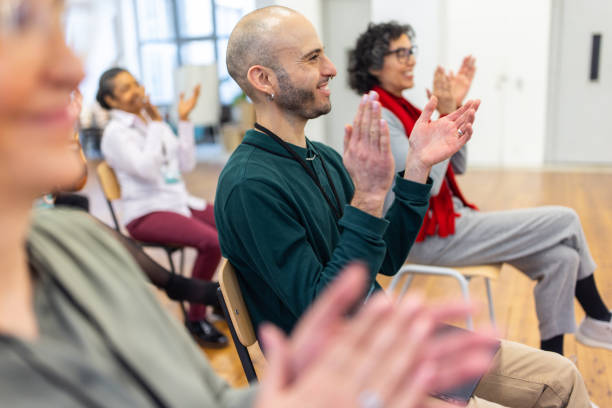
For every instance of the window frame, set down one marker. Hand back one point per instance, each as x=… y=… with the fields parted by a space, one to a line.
x=179 y=40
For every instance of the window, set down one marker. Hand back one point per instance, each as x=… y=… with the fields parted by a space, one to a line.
x=173 y=33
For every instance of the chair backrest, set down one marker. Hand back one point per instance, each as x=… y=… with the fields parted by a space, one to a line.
x=108 y=181
x=110 y=187
x=236 y=306
x=250 y=354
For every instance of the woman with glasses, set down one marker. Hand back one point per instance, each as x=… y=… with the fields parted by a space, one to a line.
x=148 y=160
x=546 y=243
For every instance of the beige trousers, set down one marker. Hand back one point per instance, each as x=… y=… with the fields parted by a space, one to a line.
x=524 y=377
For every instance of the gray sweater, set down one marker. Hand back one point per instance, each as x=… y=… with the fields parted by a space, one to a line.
x=104 y=339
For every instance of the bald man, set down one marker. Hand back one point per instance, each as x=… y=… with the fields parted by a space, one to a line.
x=291 y=212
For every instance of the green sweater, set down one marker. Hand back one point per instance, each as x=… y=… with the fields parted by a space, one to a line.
x=278 y=231
x=81 y=267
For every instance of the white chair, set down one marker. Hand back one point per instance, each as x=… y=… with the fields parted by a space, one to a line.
x=463 y=275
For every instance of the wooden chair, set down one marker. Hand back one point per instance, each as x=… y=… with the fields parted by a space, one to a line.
x=463 y=275
x=112 y=191
x=240 y=325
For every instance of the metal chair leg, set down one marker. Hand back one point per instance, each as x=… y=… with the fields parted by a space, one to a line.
x=490 y=297
x=173 y=271
x=435 y=270
x=182 y=262
x=407 y=284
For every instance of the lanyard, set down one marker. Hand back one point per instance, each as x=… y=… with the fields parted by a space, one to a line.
x=336 y=209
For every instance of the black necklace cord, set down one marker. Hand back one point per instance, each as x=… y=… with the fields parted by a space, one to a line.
x=336 y=209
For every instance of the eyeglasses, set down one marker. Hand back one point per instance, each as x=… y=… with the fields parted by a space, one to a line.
x=403 y=54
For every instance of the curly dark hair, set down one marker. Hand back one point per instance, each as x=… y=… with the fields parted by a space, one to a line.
x=369 y=53
x=106 y=86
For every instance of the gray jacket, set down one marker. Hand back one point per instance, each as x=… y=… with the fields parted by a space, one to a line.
x=94 y=291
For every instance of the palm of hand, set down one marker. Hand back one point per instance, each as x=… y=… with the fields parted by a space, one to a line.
x=460 y=84
x=367 y=156
x=443 y=90
x=370 y=169
x=435 y=141
x=185 y=106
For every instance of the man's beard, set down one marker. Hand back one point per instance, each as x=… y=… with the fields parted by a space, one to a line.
x=297 y=100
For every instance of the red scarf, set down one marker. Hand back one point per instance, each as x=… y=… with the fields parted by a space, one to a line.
x=440 y=216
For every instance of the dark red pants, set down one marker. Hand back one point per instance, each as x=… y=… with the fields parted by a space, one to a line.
x=198 y=231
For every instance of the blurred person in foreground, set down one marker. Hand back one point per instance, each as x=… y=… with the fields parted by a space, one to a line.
x=80 y=328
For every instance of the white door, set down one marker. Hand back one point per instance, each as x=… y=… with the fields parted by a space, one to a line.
x=580 y=87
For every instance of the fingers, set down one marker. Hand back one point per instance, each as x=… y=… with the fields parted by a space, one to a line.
x=428 y=93
x=357 y=120
x=457 y=114
x=368 y=326
x=414 y=327
x=476 y=105
x=313 y=330
x=182 y=96
x=375 y=125
x=277 y=356
x=371 y=315
x=348 y=130
x=466 y=134
x=438 y=78
x=429 y=109
x=472 y=67
x=366 y=124
x=385 y=138
x=470 y=361
x=366 y=118
x=414 y=391
x=454 y=310
x=337 y=299
x=466 y=118
x=392 y=336
x=196 y=91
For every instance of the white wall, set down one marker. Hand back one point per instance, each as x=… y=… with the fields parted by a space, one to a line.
x=426 y=18
x=341 y=30
x=511 y=43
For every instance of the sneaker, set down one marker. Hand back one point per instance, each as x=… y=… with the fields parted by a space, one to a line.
x=206 y=334
x=595 y=333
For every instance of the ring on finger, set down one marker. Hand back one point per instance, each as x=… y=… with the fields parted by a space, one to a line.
x=459 y=132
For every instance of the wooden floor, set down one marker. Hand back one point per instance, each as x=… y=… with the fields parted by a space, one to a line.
x=588 y=191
